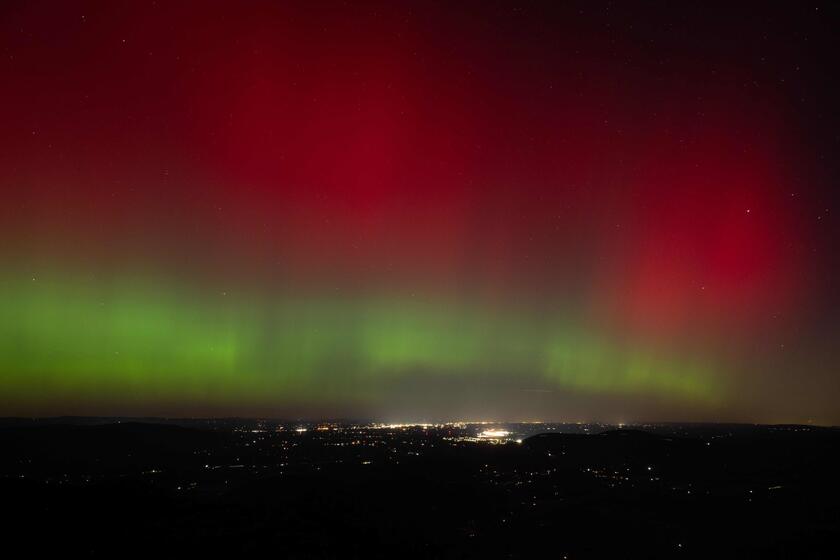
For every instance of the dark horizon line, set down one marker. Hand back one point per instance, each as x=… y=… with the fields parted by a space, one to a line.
x=141 y=419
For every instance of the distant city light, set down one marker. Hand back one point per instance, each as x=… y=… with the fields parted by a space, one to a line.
x=494 y=434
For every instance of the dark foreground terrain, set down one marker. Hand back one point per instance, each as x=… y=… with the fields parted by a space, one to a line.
x=110 y=488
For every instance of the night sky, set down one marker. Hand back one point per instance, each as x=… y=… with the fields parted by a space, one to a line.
x=414 y=211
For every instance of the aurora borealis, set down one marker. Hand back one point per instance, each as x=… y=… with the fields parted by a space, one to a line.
x=419 y=210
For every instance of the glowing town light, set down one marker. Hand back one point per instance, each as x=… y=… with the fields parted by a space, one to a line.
x=494 y=434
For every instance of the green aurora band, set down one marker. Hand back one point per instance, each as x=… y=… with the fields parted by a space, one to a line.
x=78 y=341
